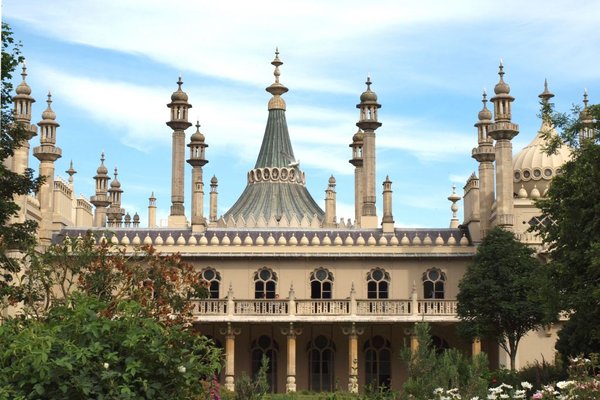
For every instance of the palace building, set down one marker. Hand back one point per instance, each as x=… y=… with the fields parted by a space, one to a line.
x=330 y=302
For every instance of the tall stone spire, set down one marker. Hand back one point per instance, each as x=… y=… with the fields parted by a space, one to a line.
x=502 y=131
x=101 y=200
x=115 y=212
x=276 y=186
x=485 y=155
x=179 y=123
x=47 y=153
x=368 y=122
x=197 y=160
x=22 y=112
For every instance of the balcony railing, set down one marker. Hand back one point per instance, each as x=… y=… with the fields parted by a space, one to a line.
x=345 y=307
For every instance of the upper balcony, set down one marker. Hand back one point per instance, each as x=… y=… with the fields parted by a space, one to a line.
x=325 y=310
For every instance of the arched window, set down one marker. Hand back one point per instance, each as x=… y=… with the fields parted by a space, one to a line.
x=378 y=362
x=434 y=281
x=378 y=284
x=321 y=284
x=265 y=346
x=321 y=353
x=265 y=283
x=213 y=279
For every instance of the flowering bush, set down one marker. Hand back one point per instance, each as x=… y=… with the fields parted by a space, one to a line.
x=584 y=384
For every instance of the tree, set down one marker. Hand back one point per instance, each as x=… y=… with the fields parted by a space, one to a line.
x=430 y=369
x=499 y=295
x=13 y=235
x=573 y=237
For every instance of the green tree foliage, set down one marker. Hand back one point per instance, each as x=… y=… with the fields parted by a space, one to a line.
x=163 y=284
x=13 y=235
x=80 y=352
x=430 y=369
x=572 y=234
x=499 y=295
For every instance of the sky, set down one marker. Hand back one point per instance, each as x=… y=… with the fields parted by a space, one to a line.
x=112 y=65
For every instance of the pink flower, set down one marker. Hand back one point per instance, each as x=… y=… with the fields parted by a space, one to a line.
x=536 y=396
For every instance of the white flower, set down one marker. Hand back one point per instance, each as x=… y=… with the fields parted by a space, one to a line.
x=475 y=398
x=563 y=384
x=526 y=385
x=105 y=365
x=181 y=369
x=438 y=391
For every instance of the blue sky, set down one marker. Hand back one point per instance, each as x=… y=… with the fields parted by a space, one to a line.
x=112 y=66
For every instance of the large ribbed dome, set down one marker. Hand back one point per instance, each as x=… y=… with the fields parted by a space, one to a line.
x=533 y=168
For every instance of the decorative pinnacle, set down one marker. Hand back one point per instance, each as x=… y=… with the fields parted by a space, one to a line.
x=368 y=82
x=49 y=101
x=116 y=173
x=179 y=83
x=484 y=99
x=197 y=124
x=71 y=171
x=585 y=98
x=102 y=158
x=546 y=95
x=24 y=73
x=501 y=70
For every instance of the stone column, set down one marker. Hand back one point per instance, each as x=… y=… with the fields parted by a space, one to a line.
x=291 y=332
x=230 y=333
x=476 y=347
x=353 y=332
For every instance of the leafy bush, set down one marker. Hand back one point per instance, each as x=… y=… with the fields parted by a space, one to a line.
x=78 y=352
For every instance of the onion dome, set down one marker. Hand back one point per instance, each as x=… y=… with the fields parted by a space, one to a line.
x=501 y=87
x=484 y=114
x=522 y=192
x=533 y=168
x=102 y=170
x=331 y=180
x=368 y=96
x=136 y=218
x=49 y=114
x=197 y=136
x=179 y=95
x=23 y=89
x=358 y=136
x=115 y=184
x=214 y=180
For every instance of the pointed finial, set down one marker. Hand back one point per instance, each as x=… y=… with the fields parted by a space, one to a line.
x=179 y=82
x=24 y=72
x=484 y=98
x=49 y=101
x=501 y=70
x=116 y=173
x=484 y=94
x=368 y=82
x=585 y=98
x=197 y=124
x=546 y=95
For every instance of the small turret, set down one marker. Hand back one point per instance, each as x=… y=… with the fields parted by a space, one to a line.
x=587 y=122
x=387 y=222
x=214 y=184
x=115 y=212
x=330 y=200
x=101 y=200
x=454 y=198
x=197 y=160
x=152 y=211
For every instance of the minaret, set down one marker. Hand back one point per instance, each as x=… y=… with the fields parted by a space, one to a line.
x=212 y=217
x=101 y=200
x=197 y=160
x=485 y=155
x=587 y=122
x=47 y=153
x=502 y=131
x=152 y=211
x=330 y=212
x=115 y=212
x=387 y=222
x=22 y=113
x=179 y=123
x=368 y=122
x=357 y=161
x=71 y=171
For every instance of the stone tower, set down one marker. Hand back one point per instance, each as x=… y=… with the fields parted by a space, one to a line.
x=197 y=160
x=47 y=152
x=502 y=131
x=101 y=200
x=485 y=156
x=357 y=161
x=179 y=123
x=368 y=123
